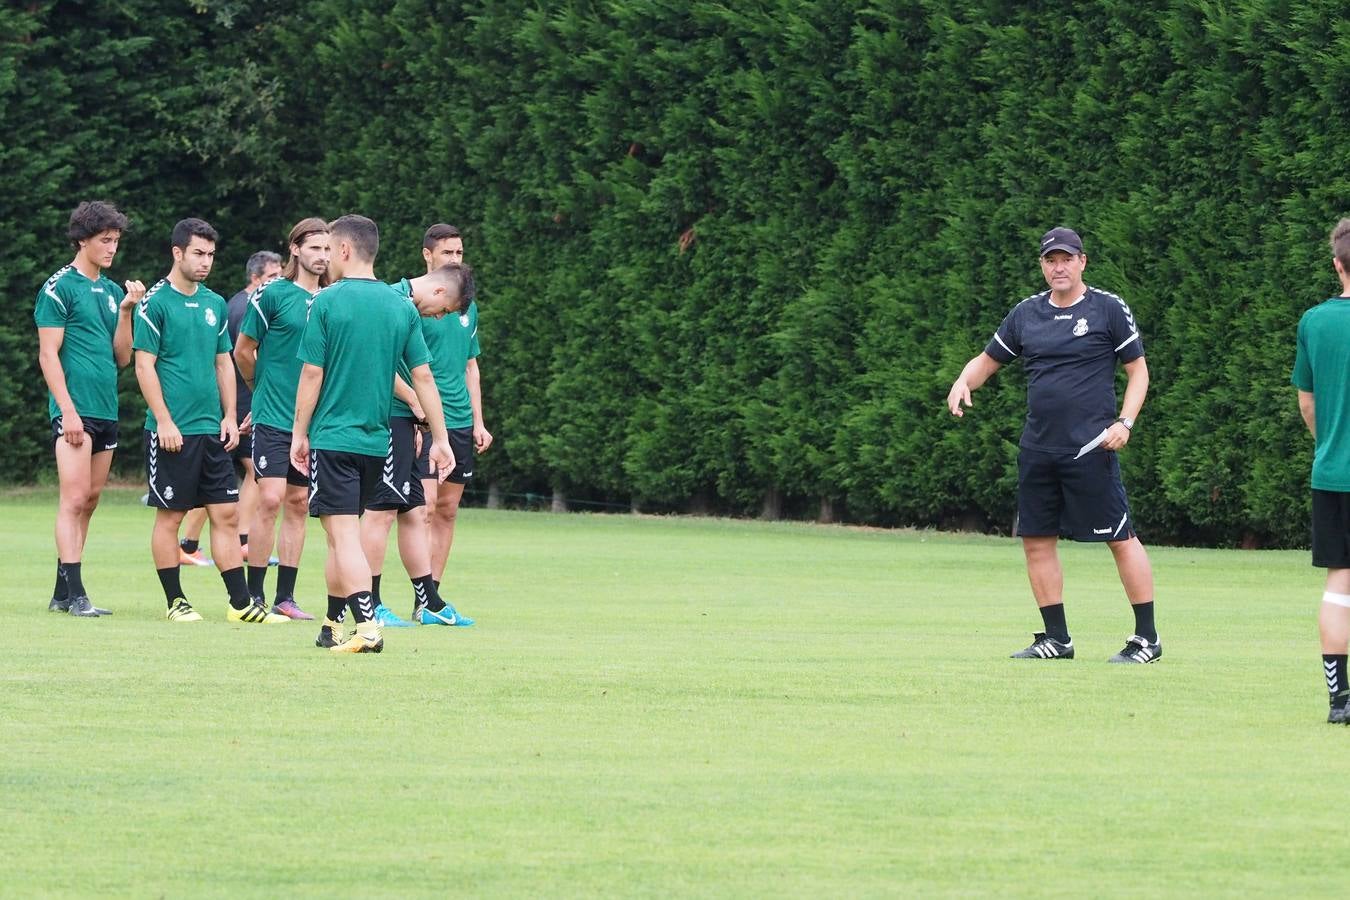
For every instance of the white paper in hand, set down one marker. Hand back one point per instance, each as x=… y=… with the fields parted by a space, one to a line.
x=1093 y=444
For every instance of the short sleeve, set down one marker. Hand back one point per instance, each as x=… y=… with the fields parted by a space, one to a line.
x=1303 y=376
x=256 y=321
x=415 y=346
x=314 y=342
x=1006 y=344
x=147 y=325
x=53 y=307
x=223 y=342
x=473 y=337
x=1124 y=330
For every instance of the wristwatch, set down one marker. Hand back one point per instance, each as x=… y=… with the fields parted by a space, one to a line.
x=1127 y=422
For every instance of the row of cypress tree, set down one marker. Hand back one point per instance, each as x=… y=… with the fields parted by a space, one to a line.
x=732 y=255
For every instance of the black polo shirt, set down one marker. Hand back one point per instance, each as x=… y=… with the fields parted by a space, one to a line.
x=1070 y=355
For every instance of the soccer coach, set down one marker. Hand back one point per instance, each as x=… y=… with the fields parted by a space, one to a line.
x=1068 y=477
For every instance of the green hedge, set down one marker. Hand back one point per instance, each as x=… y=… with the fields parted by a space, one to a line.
x=731 y=256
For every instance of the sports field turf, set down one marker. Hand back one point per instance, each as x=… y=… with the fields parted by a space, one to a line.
x=670 y=706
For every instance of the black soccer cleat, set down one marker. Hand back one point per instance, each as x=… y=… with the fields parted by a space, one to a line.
x=1046 y=647
x=82 y=607
x=1138 y=650
x=330 y=635
x=1339 y=715
x=59 y=604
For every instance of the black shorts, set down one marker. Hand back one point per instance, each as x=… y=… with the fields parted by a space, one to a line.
x=103 y=432
x=244 y=449
x=201 y=473
x=1083 y=499
x=341 y=483
x=272 y=456
x=1330 y=529
x=399 y=487
x=422 y=468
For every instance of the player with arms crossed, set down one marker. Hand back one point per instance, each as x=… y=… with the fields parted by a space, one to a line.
x=358 y=329
x=1322 y=377
x=1068 y=476
x=266 y=355
x=187 y=377
x=84 y=334
x=400 y=492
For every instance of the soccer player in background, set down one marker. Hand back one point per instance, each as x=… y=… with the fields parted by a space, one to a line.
x=1322 y=377
x=185 y=372
x=400 y=493
x=266 y=356
x=358 y=329
x=1068 y=477
x=84 y=334
x=453 y=343
x=261 y=268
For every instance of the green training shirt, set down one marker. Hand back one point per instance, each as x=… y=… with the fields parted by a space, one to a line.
x=1322 y=367
x=185 y=333
x=87 y=310
x=398 y=407
x=452 y=341
x=276 y=317
x=358 y=330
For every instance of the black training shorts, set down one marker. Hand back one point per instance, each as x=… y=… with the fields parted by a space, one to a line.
x=200 y=474
x=399 y=486
x=1083 y=499
x=102 y=432
x=272 y=456
x=341 y=483
x=1330 y=529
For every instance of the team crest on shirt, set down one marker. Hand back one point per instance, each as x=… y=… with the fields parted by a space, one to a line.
x=1080 y=328
x=464 y=319
x=112 y=305
x=211 y=317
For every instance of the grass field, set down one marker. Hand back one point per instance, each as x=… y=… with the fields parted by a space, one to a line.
x=654 y=706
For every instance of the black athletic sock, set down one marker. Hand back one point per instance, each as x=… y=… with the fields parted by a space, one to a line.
x=437 y=583
x=1053 y=616
x=363 y=608
x=337 y=608
x=189 y=546
x=286 y=582
x=243 y=539
x=173 y=588
x=1143 y=621
x=257 y=581
x=60 y=591
x=375 y=589
x=1333 y=664
x=237 y=586
x=424 y=590
x=74 y=583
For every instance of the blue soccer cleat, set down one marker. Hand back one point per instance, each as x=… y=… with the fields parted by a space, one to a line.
x=389 y=619
x=446 y=616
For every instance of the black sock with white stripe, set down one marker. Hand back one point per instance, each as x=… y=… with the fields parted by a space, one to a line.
x=1053 y=617
x=337 y=608
x=375 y=589
x=60 y=591
x=237 y=586
x=424 y=588
x=168 y=579
x=363 y=607
x=286 y=582
x=1333 y=665
x=1143 y=621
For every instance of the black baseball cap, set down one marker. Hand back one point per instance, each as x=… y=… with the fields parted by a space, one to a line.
x=1065 y=239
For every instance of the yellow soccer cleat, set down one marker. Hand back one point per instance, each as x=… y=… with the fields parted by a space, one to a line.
x=181 y=611
x=360 y=643
x=254 y=613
